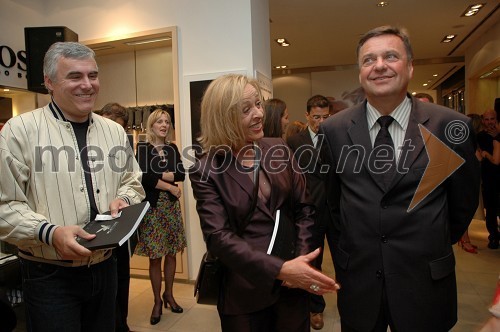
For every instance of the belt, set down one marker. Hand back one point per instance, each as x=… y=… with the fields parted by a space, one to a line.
x=66 y=263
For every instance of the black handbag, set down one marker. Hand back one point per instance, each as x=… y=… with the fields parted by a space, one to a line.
x=209 y=280
x=211 y=273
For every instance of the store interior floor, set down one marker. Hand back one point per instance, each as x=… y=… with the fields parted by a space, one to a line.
x=477 y=275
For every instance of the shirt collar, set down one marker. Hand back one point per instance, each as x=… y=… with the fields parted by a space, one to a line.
x=58 y=114
x=311 y=133
x=401 y=114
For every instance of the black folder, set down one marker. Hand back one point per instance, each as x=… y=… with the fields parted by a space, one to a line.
x=113 y=233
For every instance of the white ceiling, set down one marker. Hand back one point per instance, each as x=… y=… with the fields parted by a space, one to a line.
x=324 y=33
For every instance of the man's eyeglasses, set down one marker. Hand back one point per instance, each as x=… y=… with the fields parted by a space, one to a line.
x=319 y=117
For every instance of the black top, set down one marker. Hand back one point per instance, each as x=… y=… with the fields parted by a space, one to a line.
x=153 y=165
x=488 y=169
x=80 y=130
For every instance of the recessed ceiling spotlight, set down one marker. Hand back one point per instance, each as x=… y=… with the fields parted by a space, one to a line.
x=435 y=75
x=280 y=67
x=448 y=38
x=282 y=42
x=382 y=4
x=425 y=84
x=472 y=10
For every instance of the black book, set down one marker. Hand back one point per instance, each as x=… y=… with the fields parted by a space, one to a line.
x=282 y=242
x=113 y=233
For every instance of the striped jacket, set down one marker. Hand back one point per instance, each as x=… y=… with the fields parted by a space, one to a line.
x=42 y=182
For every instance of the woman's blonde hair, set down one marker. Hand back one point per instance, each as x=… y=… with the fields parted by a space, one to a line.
x=153 y=117
x=221 y=112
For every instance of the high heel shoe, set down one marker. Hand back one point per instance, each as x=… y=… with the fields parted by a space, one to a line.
x=174 y=307
x=467 y=246
x=156 y=319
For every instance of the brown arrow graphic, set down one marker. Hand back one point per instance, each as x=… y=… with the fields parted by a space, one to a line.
x=443 y=162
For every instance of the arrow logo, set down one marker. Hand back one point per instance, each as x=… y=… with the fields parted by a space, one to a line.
x=443 y=162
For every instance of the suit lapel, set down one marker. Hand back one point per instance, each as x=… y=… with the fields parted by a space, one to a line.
x=235 y=171
x=359 y=135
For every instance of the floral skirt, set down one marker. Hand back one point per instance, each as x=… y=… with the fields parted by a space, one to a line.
x=161 y=231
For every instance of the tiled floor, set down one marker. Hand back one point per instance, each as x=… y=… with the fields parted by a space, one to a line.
x=476 y=275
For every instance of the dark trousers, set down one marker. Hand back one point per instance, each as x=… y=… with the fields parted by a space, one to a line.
x=322 y=230
x=384 y=319
x=490 y=201
x=289 y=314
x=123 y=273
x=69 y=299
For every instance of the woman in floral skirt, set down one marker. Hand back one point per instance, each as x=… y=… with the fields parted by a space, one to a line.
x=161 y=233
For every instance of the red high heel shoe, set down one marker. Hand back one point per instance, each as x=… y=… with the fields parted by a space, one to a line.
x=467 y=246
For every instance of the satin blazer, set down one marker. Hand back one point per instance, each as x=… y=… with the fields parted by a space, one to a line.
x=223 y=193
x=379 y=240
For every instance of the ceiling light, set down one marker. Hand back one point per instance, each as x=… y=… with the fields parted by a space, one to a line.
x=100 y=48
x=282 y=42
x=435 y=75
x=6 y=90
x=472 y=10
x=425 y=84
x=448 y=38
x=382 y=4
x=281 y=67
x=147 y=41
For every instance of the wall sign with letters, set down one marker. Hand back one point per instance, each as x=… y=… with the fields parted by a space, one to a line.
x=12 y=66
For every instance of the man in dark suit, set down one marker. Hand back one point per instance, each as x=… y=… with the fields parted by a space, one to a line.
x=305 y=146
x=392 y=251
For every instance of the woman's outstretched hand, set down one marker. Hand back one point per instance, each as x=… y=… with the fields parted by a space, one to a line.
x=298 y=273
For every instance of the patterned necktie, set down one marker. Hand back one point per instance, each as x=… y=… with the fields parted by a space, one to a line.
x=384 y=138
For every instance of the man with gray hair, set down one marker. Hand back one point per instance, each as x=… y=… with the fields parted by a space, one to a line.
x=61 y=166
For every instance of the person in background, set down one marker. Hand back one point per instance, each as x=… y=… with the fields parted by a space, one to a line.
x=261 y=291
x=306 y=146
x=294 y=128
x=56 y=177
x=119 y=114
x=276 y=119
x=116 y=112
x=425 y=97
x=490 y=174
x=493 y=324
x=465 y=242
x=392 y=254
x=336 y=105
x=161 y=233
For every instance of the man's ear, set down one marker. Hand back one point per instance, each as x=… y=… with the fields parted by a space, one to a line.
x=48 y=83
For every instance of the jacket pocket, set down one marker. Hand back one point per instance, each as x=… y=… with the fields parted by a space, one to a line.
x=341 y=258
x=442 y=267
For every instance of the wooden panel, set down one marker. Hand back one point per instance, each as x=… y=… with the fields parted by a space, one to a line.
x=117 y=79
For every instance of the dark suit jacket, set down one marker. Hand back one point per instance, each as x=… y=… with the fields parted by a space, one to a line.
x=223 y=194
x=309 y=161
x=380 y=242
